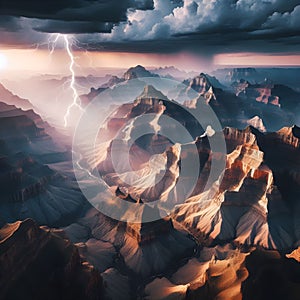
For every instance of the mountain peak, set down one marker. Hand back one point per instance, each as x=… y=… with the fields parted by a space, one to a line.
x=257 y=123
x=293 y=131
x=205 y=82
x=137 y=72
x=139 y=67
x=151 y=92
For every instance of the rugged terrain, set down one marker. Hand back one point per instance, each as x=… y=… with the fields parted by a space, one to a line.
x=236 y=238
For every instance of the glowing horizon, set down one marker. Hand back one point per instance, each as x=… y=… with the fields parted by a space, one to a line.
x=3 y=61
x=40 y=61
x=256 y=59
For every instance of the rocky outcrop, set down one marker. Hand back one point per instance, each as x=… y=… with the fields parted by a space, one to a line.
x=29 y=187
x=200 y=85
x=25 y=131
x=260 y=92
x=37 y=263
x=257 y=123
x=146 y=249
x=225 y=272
x=9 y=98
x=237 y=237
x=218 y=273
x=276 y=105
x=236 y=74
x=87 y=98
x=251 y=206
x=132 y=73
x=271 y=275
x=137 y=72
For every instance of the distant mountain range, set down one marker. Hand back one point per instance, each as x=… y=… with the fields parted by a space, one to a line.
x=235 y=103
x=284 y=76
x=172 y=72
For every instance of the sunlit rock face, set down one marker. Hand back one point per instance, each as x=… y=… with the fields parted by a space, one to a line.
x=36 y=257
x=257 y=123
x=253 y=205
x=269 y=93
x=218 y=273
x=276 y=105
x=205 y=86
x=147 y=249
x=248 y=210
x=260 y=92
x=250 y=205
x=152 y=155
x=237 y=238
x=225 y=272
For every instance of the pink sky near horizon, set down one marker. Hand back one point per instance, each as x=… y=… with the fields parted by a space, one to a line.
x=40 y=61
x=257 y=59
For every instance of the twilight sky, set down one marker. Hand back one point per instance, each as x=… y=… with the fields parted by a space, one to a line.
x=233 y=32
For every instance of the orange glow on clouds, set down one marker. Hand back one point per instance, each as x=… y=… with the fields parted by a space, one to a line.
x=256 y=59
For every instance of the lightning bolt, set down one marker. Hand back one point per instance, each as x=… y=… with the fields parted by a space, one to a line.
x=52 y=42
x=76 y=101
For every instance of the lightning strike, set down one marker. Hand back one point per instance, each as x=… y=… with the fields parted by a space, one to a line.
x=52 y=43
x=76 y=101
x=53 y=40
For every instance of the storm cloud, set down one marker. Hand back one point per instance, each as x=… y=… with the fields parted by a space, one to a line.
x=160 y=25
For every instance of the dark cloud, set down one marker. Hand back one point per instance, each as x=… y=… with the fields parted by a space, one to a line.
x=73 y=27
x=289 y=21
x=33 y=8
x=73 y=10
x=10 y=24
x=162 y=25
x=206 y=45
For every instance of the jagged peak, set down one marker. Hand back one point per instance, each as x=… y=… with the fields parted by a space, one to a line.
x=209 y=81
x=139 y=67
x=249 y=130
x=151 y=92
x=202 y=75
x=257 y=123
x=146 y=231
x=9 y=229
x=290 y=131
x=136 y=68
x=138 y=72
